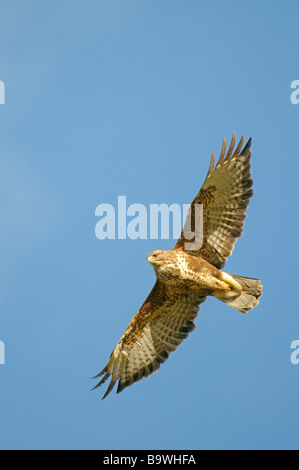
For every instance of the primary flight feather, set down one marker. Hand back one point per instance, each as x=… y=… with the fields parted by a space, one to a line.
x=187 y=274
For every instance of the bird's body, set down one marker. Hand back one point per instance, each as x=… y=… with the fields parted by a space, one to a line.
x=182 y=272
x=187 y=274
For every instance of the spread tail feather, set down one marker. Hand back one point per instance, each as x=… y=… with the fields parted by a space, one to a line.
x=249 y=296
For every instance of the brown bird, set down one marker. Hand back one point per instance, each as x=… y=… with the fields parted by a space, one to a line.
x=190 y=272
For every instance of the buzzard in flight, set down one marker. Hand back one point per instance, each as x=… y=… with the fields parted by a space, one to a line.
x=185 y=277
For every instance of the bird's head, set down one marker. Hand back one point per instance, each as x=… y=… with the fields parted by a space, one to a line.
x=156 y=258
x=163 y=262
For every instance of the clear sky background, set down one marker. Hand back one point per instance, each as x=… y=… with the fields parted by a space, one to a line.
x=109 y=98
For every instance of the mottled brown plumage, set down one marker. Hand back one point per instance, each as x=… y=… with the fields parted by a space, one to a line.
x=185 y=277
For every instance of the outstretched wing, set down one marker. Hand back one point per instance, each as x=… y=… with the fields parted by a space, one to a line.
x=163 y=322
x=225 y=196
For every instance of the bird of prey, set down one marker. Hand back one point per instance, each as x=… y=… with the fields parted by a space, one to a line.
x=186 y=276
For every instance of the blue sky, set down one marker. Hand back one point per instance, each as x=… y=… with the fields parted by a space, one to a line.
x=109 y=98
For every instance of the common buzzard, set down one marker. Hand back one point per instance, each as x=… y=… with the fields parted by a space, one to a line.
x=185 y=277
